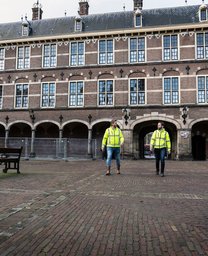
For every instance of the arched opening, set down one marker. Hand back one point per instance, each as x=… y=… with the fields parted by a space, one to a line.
x=142 y=135
x=75 y=130
x=98 y=131
x=2 y=136
x=20 y=130
x=47 y=130
x=200 y=141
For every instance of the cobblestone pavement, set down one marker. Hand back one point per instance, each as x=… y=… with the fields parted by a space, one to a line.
x=72 y=208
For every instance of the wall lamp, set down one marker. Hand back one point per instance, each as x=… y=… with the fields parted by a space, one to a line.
x=126 y=114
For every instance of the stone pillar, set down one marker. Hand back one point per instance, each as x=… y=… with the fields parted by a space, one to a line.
x=127 y=149
x=184 y=146
x=90 y=142
x=6 y=137
x=32 y=153
x=60 y=144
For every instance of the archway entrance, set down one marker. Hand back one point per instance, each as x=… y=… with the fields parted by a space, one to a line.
x=2 y=136
x=20 y=130
x=75 y=130
x=98 y=131
x=200 y=141
x=141 y=138
x=47 y=130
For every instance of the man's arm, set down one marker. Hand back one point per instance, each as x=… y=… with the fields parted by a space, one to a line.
x=152 y=141
x=105 y=139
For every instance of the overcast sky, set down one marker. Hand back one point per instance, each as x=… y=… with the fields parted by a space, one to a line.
x=13 y=10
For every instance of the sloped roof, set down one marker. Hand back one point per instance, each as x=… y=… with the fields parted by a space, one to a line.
x=103 y=22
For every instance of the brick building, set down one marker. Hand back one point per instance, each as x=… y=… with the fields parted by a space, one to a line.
x=67 y=77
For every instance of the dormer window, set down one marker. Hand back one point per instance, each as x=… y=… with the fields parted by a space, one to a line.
x=25 y=28
x=138 y=18
x=203 y=13
x=78 y=24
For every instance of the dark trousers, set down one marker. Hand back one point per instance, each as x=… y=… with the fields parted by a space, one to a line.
x=160 y=154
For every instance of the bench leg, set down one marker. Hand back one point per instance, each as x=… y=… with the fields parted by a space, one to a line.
x=5 y=168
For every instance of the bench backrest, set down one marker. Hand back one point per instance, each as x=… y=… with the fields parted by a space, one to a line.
x=11 y=151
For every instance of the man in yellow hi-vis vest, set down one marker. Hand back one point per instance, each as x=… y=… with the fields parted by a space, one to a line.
x=161 y=144
x=113 y=139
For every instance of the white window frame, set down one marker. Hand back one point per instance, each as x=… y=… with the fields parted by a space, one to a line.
x=21 y=96
x=3 y=59
x=178 y=47
x=204 y=46
x=98 y=94
x=77 y=65
x=50 y=55
x=145 y=49
x=1 y=105
x=25 y=26
x=200 y=16
x=23 y=57
x=43 y=107
x=135 y=18
x=98 y=60
x=83 y=93
x=145 y=91
x=197 y=90
x=179 y=91
x=78 y=20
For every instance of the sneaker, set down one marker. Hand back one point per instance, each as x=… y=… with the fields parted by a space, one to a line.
x=162 y=175
x=108 y=174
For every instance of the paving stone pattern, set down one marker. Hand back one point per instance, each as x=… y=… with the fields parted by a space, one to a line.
x=71 y=208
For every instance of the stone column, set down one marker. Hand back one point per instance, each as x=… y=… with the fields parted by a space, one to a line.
x=127 y=149
x=6 y=137
x=32 y=153
x=184 y=146
x=90 y=142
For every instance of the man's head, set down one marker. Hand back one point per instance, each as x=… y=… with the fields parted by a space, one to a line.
x=160 y=125
x=114 y=123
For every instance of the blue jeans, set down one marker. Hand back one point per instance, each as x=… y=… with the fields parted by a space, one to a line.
x=110 y=152
x=160 y=154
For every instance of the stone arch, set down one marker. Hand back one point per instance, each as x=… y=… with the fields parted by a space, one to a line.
x=47 y=129
x=75 y=129
x=20 y=129
x=171 y=72
x=144 y=126
x=199 y=130
x=21 y=80
x=76 y=77
x=105 y=76
x=203 y=71
x=47 y=79
x=76 y=121
x=103 y=120
x=137 y=74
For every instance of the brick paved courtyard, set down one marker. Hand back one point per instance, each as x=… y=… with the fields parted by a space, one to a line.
x=72 y=208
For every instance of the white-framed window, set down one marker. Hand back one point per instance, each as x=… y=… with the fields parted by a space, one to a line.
x=78 y=25
x=21 y=95
x=23 y=57
x=202 y=45
x=138 y=20
x=137 y=92
x=105 y=93
x=1 y=96
x=171 y=90
x=49 y=55
x=202 y=84
x=170 y=47
x=76 y=94
x=77 y=54
x=203 y=13
x=2 y=58
x=48 y=95
x=137 y=50
x=106 y=51
x=25 y=29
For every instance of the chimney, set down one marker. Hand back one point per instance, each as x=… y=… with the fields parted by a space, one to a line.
x=37 y=11
x=83 y=7
x=138 y=4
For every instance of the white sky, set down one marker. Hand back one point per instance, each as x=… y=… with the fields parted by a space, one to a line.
x=13 y=10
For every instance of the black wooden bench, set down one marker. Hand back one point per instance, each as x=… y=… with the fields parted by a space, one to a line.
x=10 y=157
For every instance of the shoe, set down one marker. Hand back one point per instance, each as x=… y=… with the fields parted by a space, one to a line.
x=118 y=172
x=108 y=174
x=162 y=175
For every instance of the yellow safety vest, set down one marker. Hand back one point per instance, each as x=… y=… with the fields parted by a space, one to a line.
x=113 y=138
x=160 y=139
